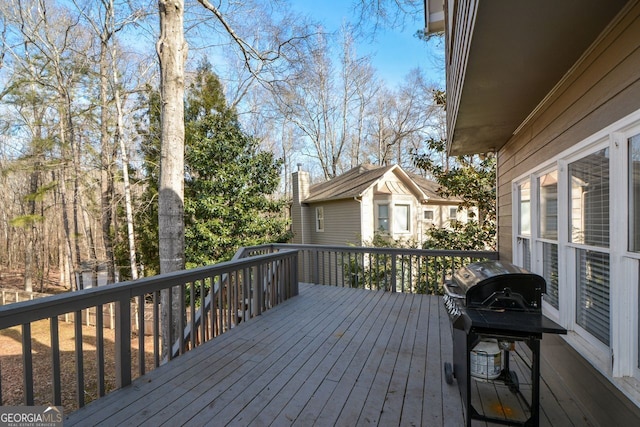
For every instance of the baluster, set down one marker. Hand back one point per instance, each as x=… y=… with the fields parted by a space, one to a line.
x=77 y=318
x=99 y=349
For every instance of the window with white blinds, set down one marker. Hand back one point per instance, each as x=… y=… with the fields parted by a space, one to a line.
x=524 y=208
x=550 y=272
x=548 y=230
x=592 y=304
x=589 y=199
x=548 y=206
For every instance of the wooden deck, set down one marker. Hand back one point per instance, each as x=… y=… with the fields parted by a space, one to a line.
x=330 y=356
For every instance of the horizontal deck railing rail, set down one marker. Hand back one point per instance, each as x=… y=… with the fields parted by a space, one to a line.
x=389 y=269
x=242 y=288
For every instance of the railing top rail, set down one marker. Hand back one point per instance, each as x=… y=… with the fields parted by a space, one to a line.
x=398 y=251
x=43 y=308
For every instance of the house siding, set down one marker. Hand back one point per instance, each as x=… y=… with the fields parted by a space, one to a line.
x=603 y=87
x=341 y=223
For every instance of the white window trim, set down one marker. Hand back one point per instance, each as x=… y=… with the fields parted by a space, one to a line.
x=376 y=218
x=433 y=214
x=620 y=359
x=392 y=204
x=394 y=211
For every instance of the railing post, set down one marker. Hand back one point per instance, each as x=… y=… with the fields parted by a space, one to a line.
x=316 y=272
x=394 y=269
x=79 y=353
x=123 y=343
x=294 y=275
x=256 y=286
x=27 y=364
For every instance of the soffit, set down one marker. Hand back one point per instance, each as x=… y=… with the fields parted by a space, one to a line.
x=519 y=51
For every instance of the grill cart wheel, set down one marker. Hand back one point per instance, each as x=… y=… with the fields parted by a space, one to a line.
x=448 y=373
x=513 y=382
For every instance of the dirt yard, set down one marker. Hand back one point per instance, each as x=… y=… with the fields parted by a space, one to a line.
x=11 y=366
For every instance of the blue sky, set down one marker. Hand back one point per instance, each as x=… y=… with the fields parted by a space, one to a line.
x=393 y=52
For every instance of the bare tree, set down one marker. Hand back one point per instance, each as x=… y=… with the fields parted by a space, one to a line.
x=327 y=102
x=399 y=121
x=107 y=20
x=53 y=54
x=386 y=13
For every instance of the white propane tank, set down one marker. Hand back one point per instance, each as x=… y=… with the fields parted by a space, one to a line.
x=486 y=360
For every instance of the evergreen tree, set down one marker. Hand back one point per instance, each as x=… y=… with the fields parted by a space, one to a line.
x=471 y=179
x=229 y=180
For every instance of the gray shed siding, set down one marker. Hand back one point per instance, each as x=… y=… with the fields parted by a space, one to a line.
x=603 y=87
x=341 y=223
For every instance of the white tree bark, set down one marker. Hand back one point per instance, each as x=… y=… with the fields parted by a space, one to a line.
x=172 y=50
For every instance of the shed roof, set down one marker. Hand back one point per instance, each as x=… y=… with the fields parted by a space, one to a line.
x=356 y=181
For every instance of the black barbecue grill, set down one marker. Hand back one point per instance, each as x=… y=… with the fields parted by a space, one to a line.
x=492 y=305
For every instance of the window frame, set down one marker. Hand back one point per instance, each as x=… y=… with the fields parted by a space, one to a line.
x=453 y=213
x=320 y=219
x=624 y=341
x=433 y=215
x=378 y=228
x=407 y=217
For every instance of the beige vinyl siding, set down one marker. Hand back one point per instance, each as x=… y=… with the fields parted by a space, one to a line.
x=341 y=223
x=603 y=87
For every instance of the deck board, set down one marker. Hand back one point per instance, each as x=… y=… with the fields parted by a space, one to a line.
x=330 y=356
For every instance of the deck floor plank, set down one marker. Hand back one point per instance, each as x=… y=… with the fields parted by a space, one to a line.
x=416 y=382
x=305 y=392
x=213 y=397
x=292 y=389
x=330 y=357
x=344 y=352
x=271 y=382
x=346 y=373
x=354 y=404
x=382 y=373
x=213 y=382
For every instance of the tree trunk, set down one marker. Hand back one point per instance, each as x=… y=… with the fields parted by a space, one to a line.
x=172 y=50
x=106 y=173
x=125 y=171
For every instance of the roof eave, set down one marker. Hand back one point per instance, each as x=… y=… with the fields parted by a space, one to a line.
x=516 y=54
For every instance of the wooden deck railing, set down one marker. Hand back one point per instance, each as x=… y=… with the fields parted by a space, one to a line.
x=213 y=300
x=242 y=288
x=389 y=269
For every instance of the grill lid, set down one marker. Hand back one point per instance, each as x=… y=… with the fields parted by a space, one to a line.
x=500 y=285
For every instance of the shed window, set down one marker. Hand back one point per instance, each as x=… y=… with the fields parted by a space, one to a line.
x=383 y=218
x=429 y=215
x=320 y=218
x=401 y=220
